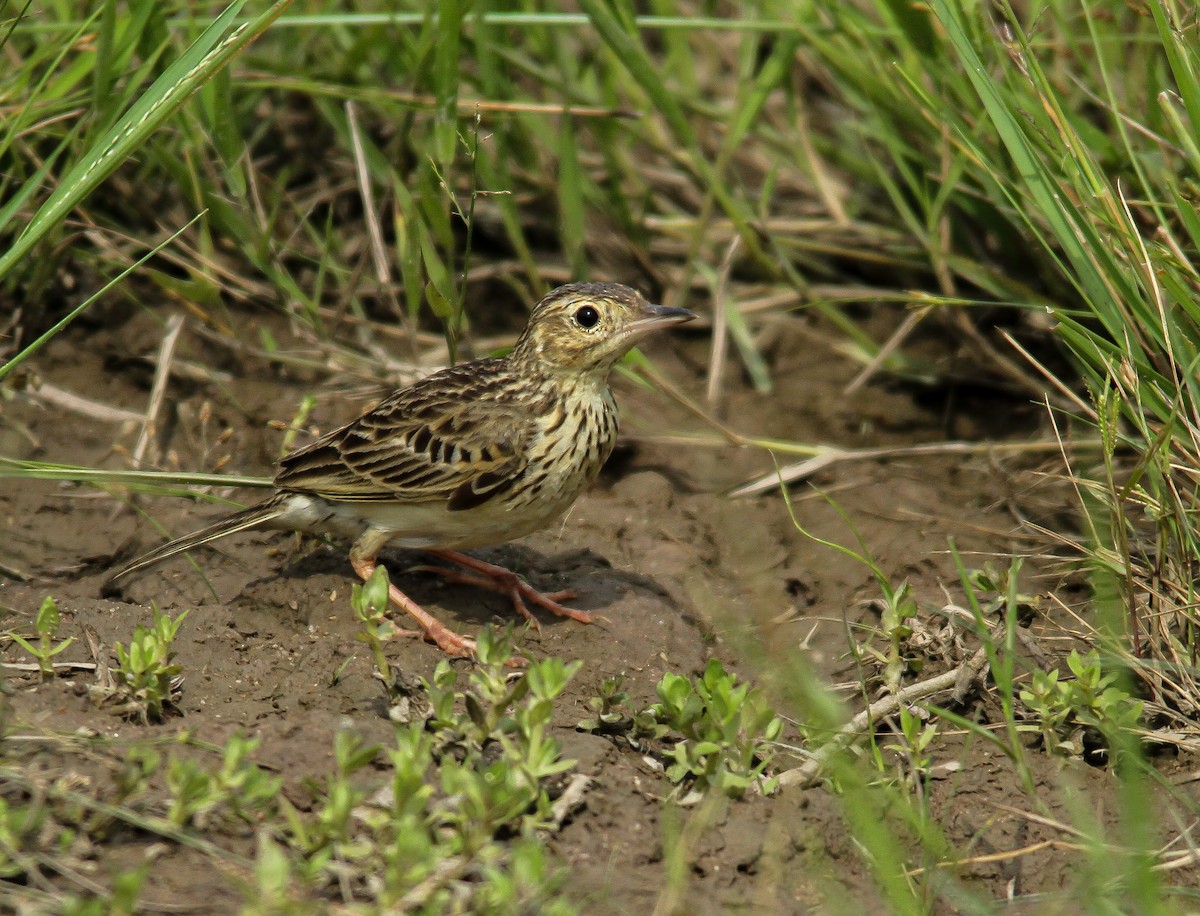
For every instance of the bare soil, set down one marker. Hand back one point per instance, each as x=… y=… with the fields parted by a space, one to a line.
x=679 y=571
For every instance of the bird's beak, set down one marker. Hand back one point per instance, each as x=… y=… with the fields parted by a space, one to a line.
x=660 y=316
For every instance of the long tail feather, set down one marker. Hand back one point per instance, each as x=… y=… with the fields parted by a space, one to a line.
x=254 y=517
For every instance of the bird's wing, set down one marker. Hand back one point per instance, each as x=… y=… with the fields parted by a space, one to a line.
x=452 y=436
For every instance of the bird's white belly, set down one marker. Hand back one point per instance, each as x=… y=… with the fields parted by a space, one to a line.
x=431 y=525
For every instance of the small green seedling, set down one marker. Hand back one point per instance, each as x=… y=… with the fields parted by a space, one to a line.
x=147 y=675
x=46 y=624
x=916 y=736
x=1049 y=700
x=273 y=891
x=716 y=729
x=725 y=728
x=1001 y=586
x=608 y=706
x=458 y=825
x=898 y=608
x=121 y=900
x=370 y=604
x=20 y=825
x=328 y=836
x=1062 y=708
x=239 y=788
x=141 y=762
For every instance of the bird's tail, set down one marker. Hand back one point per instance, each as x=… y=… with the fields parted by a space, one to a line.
x=254 y=517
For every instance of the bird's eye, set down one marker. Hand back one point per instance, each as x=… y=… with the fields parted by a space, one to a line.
x=587 y=317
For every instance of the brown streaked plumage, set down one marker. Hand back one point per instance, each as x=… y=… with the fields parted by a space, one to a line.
x=475 y=454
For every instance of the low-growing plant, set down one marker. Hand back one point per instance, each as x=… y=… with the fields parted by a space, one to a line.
x=326 y=836
x=458 y=824
x=720 y=731
x=609 y=705
x=274 y=881
x=369 y=602
x=44 y=649
x=997 y=588
x=46 y=823
x=122 y=900
x=912 y=744
x=239 y=788
x=147 y=677
x=20 y=824
x=898 y=608
x=528 y=882
x=133 y=776
x=1063 y=708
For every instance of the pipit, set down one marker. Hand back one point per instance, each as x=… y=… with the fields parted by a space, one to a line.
x=473 y=455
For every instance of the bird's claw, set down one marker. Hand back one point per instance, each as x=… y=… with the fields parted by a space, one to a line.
x=507 y=582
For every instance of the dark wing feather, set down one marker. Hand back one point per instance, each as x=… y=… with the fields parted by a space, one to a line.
x=479 y=489
x=461 y=435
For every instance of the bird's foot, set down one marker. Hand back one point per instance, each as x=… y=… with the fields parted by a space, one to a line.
x=432 y=629
x=507 y=582
x=437 y=633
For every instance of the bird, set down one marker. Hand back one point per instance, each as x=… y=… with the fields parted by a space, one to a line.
x=475 y=454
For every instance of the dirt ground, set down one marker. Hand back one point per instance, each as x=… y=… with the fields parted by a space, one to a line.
x=680 y=571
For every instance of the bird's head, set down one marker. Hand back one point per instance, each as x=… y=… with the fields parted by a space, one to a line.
x=587 y=327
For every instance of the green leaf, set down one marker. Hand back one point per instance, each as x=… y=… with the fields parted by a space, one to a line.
x=48 y=619
x=446 y=81
x=25 y=644
x=376 y=591
x=211 y=51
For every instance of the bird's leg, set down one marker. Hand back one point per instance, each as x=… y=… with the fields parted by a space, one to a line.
x=507 y=582
x=435 y=631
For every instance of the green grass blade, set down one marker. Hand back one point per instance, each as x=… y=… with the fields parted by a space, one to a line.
x=210 y=52
x=45 y=338
x=17 y=469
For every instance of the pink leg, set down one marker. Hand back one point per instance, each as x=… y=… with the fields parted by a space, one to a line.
x=507 y=582
x=447 y=640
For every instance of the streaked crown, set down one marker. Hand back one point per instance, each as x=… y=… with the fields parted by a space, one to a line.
x=587 y=327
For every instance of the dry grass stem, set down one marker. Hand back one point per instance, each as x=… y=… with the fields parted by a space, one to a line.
x=66 y=400
x=808 y=773
x=158 y=390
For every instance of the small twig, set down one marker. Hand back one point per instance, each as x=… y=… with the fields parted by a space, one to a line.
x=1169 y=860
x=103 y=676
x=30 y=666
x=571 y=799
x=1043 y=821
x=190 y=371
x=907 y=326
x=383 y=271
x=673 y=392
x=13 y=573
x=464 y=107
x=1007 y=367
x=720 y=324
x=162 y=374
x=996 y=856
x=1176 y=860
x=831 y=455
x=67 y=400
x=970 y=673
x=808 y=773
x=1085 y=409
